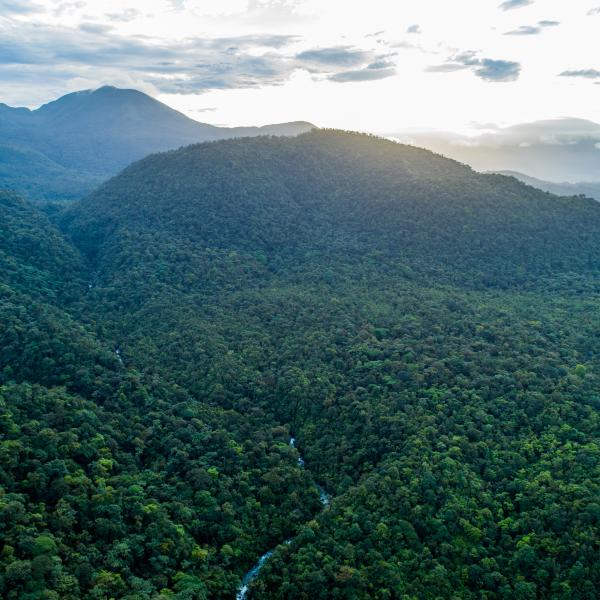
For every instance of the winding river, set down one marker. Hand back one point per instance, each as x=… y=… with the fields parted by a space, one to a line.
x=252 y=574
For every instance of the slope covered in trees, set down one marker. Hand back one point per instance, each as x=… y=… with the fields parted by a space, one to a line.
x=287 y=204
x=116 y=482
x=429 y=336
x=41 y=179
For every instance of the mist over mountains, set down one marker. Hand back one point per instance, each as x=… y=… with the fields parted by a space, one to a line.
x=67 y=147
x=557 y=150
x=590 y=189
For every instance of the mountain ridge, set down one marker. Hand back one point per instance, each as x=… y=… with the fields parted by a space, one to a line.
x=585 y=188
x=555 y=150
x=99 y=132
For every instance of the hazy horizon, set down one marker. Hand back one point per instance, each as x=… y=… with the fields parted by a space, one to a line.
x=205 y=117
x=559 y=150
x=499 y=85
x=375 y=67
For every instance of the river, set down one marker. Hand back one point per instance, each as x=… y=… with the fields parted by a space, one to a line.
x=252 y=574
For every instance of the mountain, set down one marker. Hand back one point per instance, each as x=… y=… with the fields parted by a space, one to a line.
x=90 y=135
x=279 y=200
x=553 y=150
x=590 y=189
x=425 y=334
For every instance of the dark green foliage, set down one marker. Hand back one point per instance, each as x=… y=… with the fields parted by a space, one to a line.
x=115 y=482
x=428 y=334
x=40 y=178
x=34 y=257
x=289 y=205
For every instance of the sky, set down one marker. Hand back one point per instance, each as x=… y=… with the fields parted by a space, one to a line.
x=372 y=65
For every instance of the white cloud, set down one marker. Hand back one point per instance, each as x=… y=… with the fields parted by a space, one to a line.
x=213 y=8
x=147 y=44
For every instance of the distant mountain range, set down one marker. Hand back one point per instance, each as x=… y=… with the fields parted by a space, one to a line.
x=590 y=189
x=555 y=150
x=67 y=147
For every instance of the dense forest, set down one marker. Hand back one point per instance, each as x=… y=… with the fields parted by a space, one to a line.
x=428 y=334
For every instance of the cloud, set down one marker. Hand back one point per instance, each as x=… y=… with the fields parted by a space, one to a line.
x=381 y=64
x=458 y=62
x=498 y=70
x=338 y=56
x=95 y=28
x=90 y=45
x=362 y=75
x=93 y=53
x=19 y=7
x=404 y=45
x=380 y=69
x=525 y=30
x=65 y=8
x=551 y=132
x=554 y=140
x=512 y=4
x=446 y=68
x=533 y=29
x=125 y=16
x=414 y=29
x=371 y=66
x=487 y=69
x=584 y=73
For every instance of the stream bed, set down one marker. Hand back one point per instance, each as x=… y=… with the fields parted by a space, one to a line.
x=252 y=574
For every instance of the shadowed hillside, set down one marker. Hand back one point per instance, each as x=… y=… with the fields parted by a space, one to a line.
x=339 y=197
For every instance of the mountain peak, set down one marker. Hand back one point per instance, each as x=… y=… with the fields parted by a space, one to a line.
x=106 y=98
x=111 y=91
x=100 y=131
x=113 y=88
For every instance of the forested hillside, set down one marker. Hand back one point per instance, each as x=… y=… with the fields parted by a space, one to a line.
x=428 y=334
x=115 y=482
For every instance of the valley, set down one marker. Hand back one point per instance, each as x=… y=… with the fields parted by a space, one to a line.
x=416 y=325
